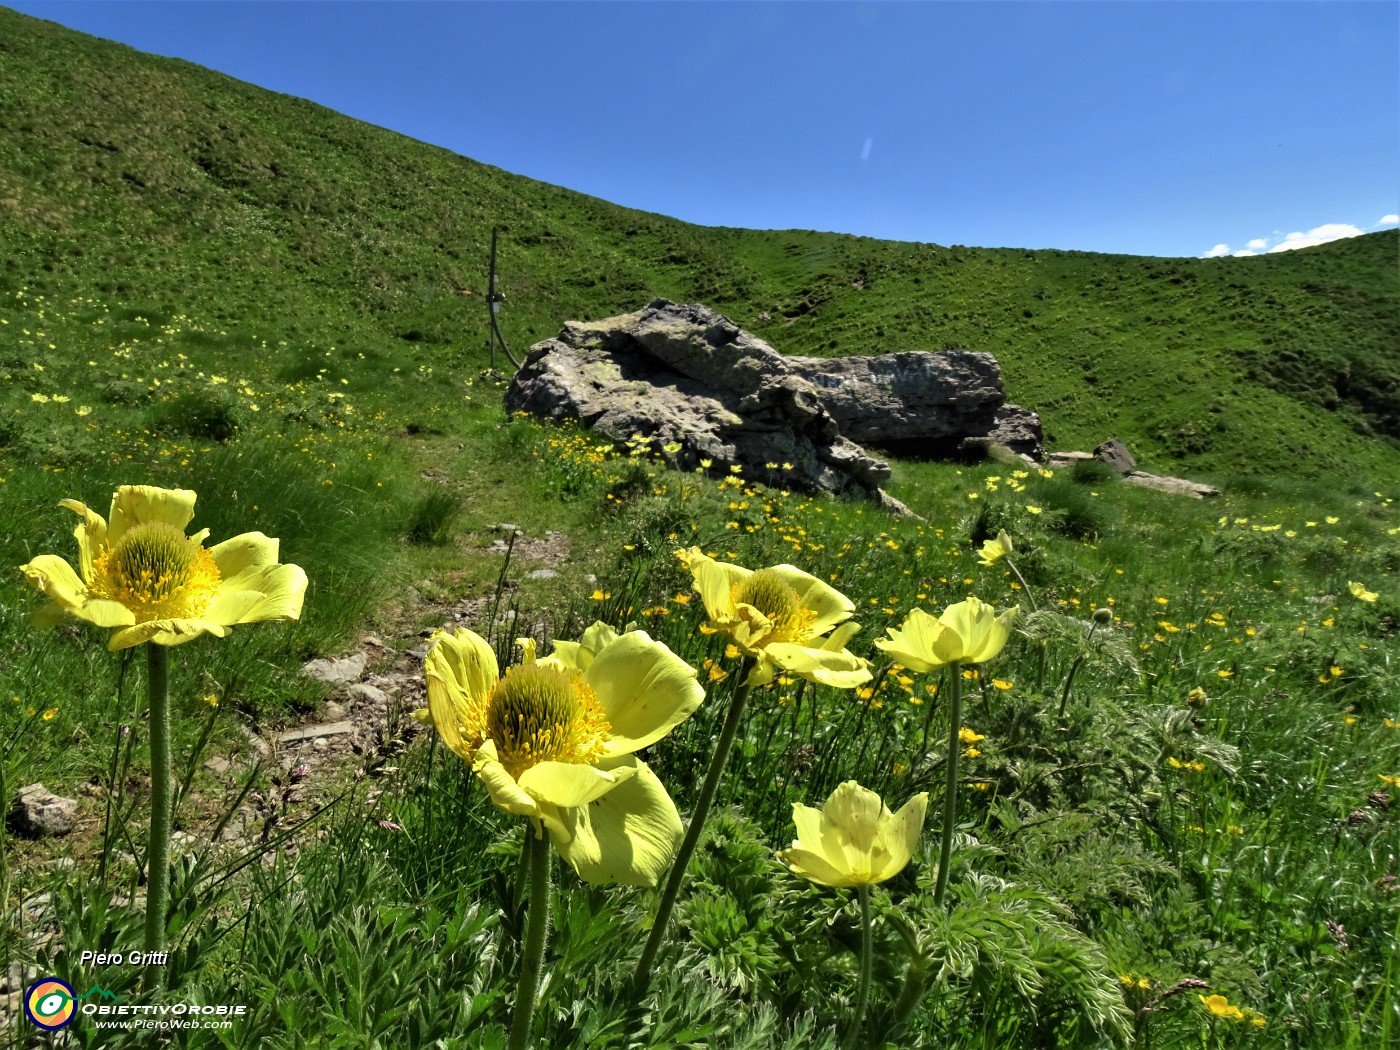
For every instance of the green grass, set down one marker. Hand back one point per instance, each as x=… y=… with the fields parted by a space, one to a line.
x=211 y=287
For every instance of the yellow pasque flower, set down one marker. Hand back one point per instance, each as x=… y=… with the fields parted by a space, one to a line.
x=1220 y=1007
x=994 y=550
x=854 y=840
x=781 y=617
x=553 y=740
x=969 y=632
x=1359 y=590
x=140 y=573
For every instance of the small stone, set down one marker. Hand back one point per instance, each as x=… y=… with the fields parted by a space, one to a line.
x=218 y=765
x=320 y=743
x=373 y=640
x=542 y=574
x=362 y=693
x=418 y=652
x=62 y=864
x=292 y=736
x=259 y=744
x=337 y=672
x=332 y=712
x=38 y=812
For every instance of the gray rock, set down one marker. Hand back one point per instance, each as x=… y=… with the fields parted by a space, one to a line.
x=1177 y=486
x=363 y=693
x=37 y=812
x=542 y=574
x=292 y=736
x=337 y=672
x=1065 y=460
x=686 y=376
x=1116 y=455
x=912 y=396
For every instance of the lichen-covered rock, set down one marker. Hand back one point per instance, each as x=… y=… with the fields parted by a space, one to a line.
x=685 y=375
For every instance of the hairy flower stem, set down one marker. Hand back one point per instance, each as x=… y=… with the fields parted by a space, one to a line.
x=536 y=933
x=950 y=783
x=158 y=849
x=641 y=979
x=1024 y=586
x=867 y=963
x=1074 y=670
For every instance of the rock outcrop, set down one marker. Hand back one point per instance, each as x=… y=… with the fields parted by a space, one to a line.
x=695 y=383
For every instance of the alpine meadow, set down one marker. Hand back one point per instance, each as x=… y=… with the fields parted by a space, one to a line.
x=370 y=715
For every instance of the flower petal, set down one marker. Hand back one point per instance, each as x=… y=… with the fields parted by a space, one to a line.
x=53 y=576
x=163 y=632
x=645 y=690
x=138 y=504
x=461 y=670
x=983 y=633
x=244 y=555
x=830 y=605
x=566 y=784
x=816 y=868
x=501 y=786
x=272 y=592
x=921 y=642
x=841 y=669
x=627 y=836
x=714 y=582
x=899 y=834
x=91 y=534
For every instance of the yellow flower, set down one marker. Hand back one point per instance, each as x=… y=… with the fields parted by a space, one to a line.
x=140 y=573
x=50 y=713
x=969 y=736
x=994 y=550
x=553 y=740
x=968 y=632
x=1220 y=1007
x=1197 y=697
x=781 y=617
x=854 y=840
x=1031 y=509
x=1359 y=590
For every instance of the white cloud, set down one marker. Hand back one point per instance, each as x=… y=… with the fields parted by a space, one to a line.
x=1257 y=245
x=1217 y=251
x=1243 y=252
x=1389 y=220
x=1330 y=231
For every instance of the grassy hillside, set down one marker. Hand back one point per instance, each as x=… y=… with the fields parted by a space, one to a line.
x=165 y=189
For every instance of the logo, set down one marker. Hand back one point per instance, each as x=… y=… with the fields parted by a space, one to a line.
x=50 y=1004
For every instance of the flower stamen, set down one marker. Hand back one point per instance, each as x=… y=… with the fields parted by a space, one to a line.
x=767 y=591
x=157 y=572
x=543 y=714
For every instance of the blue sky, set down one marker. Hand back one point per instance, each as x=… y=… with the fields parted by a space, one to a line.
x=1162 y=128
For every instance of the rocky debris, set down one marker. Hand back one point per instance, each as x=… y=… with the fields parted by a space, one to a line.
x=337 y=672
x=292 y=736
x=1066 y=460
x=1116 y=455
x=37 y=812
x=1177 y=486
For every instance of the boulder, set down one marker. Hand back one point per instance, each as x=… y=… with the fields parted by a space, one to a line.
x=693 y=382
x=686 y=376
x=37 y=812
x=1116 y=455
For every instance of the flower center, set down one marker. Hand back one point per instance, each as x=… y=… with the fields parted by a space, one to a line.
x=157 y=572
x=542 y=714
x=767 y=591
